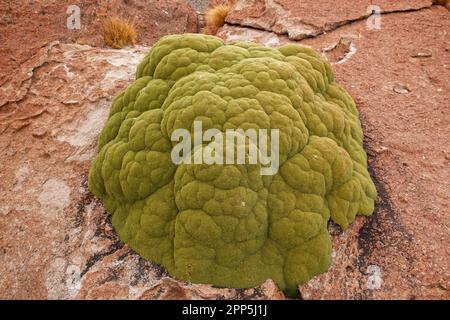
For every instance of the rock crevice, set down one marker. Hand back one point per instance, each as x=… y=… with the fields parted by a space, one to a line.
x=311 y=18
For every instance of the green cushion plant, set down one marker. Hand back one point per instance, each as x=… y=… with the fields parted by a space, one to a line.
x=226 y=224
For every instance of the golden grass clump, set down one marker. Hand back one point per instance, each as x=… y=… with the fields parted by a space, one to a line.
x=216 y=14
x=118 y=33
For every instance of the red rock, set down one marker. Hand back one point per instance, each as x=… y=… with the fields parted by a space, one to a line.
x=401 y=252
x=302 y=19
x=27 y=26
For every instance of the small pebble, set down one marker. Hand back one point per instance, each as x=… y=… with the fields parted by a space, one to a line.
x=422 y=55
x=39 y=132
x=401 y=89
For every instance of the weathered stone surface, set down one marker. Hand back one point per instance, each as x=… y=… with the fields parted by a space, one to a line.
x=199 y=5
x=402 y=251
x=56 y=240
x=234 y=33
x=302 y=19
x=27 y=26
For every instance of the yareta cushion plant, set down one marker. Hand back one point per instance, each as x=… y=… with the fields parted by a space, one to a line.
x=227 y=224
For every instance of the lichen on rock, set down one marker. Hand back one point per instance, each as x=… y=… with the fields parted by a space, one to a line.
x=225 y=224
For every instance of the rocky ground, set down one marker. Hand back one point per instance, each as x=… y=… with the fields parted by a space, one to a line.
x=56 y=240
x=27 y=26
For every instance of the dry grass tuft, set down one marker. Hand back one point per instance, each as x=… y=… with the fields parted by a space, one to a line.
x=216 y=14
x=215 y=18
x=118 y=33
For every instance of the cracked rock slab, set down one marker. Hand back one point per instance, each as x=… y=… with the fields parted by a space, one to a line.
x=302 y=19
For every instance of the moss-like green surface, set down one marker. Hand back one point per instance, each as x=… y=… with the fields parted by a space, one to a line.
x=228 y=225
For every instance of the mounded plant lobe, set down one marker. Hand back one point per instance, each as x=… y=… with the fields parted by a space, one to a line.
x=227 y=224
